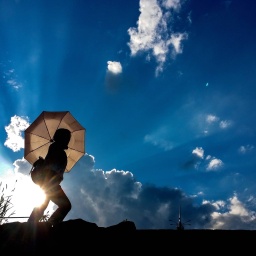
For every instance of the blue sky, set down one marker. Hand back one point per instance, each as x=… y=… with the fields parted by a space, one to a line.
x=166 y=92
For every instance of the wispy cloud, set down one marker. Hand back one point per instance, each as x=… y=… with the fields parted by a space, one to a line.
x=160 y=138
x=225 y=124
x=15 y=84
x=11 y=79
x=245 y=149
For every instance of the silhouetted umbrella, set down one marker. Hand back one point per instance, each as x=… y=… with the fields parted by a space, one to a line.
x=39 y=135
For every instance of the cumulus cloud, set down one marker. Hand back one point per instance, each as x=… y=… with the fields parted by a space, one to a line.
x=109 y=197
x=214 y=164
x=198 y=151
x=195 y=160
x=114 y=67
x=235 y=216
x=22 y=166
x=154 y=34
x=198 y=161
x=14 y=139
x=113 y=80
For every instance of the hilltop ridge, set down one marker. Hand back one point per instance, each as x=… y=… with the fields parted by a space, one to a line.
x=79 y=235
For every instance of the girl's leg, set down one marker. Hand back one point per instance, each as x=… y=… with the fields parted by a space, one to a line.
x=38 y=212
x=64 y=205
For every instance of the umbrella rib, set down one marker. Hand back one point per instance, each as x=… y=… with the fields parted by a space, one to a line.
x=39 y=147
x=76 y=150
x=62 y=119
x=42 y=138
x=46 y=128
x=82 y=129
x=41 y=135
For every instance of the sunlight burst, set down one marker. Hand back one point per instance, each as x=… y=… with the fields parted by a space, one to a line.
x=26 y=196
x=38 y=196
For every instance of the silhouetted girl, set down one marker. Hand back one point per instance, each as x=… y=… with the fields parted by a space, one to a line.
x=55 y=164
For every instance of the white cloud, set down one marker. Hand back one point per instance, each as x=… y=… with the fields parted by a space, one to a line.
x=143 y=37
x=198 y=151
x=176 y=40
x=211 y=123
x=114 y=67
x=14 y=140
x=233 y=215
x=219 y=204
x=237 y=207
x=208 y=157
x=22 y=166
x=152 y=31
x=214 y=164
x=211 y=119
x=223 y=124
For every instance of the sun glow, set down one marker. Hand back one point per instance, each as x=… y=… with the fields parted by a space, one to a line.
x=25 y=196
x=37 y=197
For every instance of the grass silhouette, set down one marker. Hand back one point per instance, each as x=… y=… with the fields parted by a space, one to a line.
x=5 y=203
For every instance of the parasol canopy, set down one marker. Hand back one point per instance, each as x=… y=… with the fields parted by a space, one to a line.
x=39 y=136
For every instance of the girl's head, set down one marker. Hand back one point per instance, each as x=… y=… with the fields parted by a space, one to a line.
x=62 y=136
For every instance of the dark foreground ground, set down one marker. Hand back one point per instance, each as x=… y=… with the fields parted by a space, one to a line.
x=77 y=236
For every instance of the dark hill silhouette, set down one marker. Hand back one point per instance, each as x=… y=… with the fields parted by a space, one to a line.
x=23 y=237
x=79 y=236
